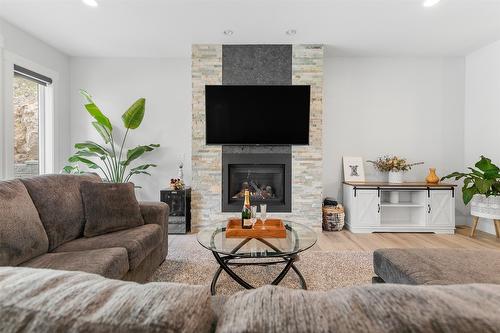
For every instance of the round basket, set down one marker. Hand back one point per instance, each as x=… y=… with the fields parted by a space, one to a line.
x=486 y=207
x=333 y=218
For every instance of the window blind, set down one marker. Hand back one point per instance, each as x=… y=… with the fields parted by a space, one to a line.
x=33 y=76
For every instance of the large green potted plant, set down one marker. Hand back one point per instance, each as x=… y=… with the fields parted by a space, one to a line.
x=110 y=158
x=481 y=188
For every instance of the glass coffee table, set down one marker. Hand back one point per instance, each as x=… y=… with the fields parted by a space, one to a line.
x=266 y=251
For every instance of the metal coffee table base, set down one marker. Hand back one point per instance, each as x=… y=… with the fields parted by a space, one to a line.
x=225 y=262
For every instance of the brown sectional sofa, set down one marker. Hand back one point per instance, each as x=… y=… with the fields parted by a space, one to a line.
x=40 y=300
x=42 y=221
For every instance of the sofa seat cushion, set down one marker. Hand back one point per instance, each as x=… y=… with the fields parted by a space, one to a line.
x=38 y=300
x=109 y=207
x=59 y=203
x=437 y=266
x=139 y=242
x=22 y=235
x=373 y=308
x=111 y=262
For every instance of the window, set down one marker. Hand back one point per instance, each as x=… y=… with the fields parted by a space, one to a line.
x=29 y=90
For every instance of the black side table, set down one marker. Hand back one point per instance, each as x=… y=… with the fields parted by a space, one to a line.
x=179 y=201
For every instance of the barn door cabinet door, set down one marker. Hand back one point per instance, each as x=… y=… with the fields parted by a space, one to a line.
x=367 y=208
x=440 y=208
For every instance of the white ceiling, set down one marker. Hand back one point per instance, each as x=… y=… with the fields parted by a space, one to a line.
x=167 y=28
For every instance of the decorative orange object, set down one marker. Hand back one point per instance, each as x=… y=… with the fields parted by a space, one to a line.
x=272 y=228
x=432 y=178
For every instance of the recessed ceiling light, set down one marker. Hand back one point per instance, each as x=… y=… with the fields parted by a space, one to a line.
x=91 y=3
x=291 y=32
x=430 y=3
x=228 y=32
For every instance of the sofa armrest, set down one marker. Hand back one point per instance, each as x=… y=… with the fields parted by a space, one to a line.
x=156 y=213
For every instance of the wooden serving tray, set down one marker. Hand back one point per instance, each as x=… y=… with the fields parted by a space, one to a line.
x=272 y=228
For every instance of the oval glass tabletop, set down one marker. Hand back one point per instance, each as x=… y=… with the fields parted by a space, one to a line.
x=298 y=238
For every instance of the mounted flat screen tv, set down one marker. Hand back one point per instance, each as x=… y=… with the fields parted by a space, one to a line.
x=257 y=115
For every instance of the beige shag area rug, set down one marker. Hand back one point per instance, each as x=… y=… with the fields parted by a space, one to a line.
x=188 y=262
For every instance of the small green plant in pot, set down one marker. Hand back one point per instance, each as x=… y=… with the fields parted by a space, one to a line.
x=483 y=180
x=110 y=158
x=482 y=190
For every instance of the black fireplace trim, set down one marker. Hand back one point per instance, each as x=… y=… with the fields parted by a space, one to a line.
x=257 y=156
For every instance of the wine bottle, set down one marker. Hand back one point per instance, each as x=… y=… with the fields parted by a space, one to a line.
x=246 y=222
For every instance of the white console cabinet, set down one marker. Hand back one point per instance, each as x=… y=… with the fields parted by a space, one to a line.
x=421 y=208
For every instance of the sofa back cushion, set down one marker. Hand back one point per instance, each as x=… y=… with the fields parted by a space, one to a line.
x=22 y=235
x=109 y=207
x=41 y=300
x=59 y=203
x=377 y=308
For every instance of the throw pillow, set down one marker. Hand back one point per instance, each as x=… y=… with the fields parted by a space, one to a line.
x=59 y=203
x=109 y=207
x=22 y=235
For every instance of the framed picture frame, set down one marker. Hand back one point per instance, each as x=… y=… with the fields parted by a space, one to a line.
x=354 y=170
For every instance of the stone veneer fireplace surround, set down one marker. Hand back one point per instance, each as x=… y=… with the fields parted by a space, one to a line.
x=257 y=64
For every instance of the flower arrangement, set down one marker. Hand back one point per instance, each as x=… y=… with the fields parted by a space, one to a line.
x=393 y=164
x=177 y=184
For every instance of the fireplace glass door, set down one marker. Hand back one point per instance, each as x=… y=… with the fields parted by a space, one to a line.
x=265 y=183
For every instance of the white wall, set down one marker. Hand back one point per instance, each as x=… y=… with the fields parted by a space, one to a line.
x=115 y=84
x=411 y=107
x=482 y=109
x=17 y=44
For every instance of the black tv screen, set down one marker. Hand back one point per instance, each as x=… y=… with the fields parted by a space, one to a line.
x=257 y=115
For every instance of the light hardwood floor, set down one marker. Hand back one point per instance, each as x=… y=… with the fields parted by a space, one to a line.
x=345 y=240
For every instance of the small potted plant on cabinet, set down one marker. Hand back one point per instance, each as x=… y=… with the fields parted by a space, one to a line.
x=394 y=167
x=482 y=190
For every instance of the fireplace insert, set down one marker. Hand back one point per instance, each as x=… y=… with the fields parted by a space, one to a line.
x=264 y=171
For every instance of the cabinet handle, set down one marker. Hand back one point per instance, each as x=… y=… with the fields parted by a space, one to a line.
x=378 y=208
x=428 y=209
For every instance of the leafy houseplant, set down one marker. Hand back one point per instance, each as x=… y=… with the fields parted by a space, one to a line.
x=483 y=180
x=110 y=158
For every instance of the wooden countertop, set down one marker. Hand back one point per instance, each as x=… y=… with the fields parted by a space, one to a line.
x=393 y=185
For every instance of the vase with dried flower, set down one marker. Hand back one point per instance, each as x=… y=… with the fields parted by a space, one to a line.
x=394 y=166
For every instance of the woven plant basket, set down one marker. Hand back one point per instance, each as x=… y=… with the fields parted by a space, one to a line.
x=486 y=207
x=333 y=218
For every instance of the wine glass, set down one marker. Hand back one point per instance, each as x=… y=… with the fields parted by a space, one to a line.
x=263 y=213
x=253 y=212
